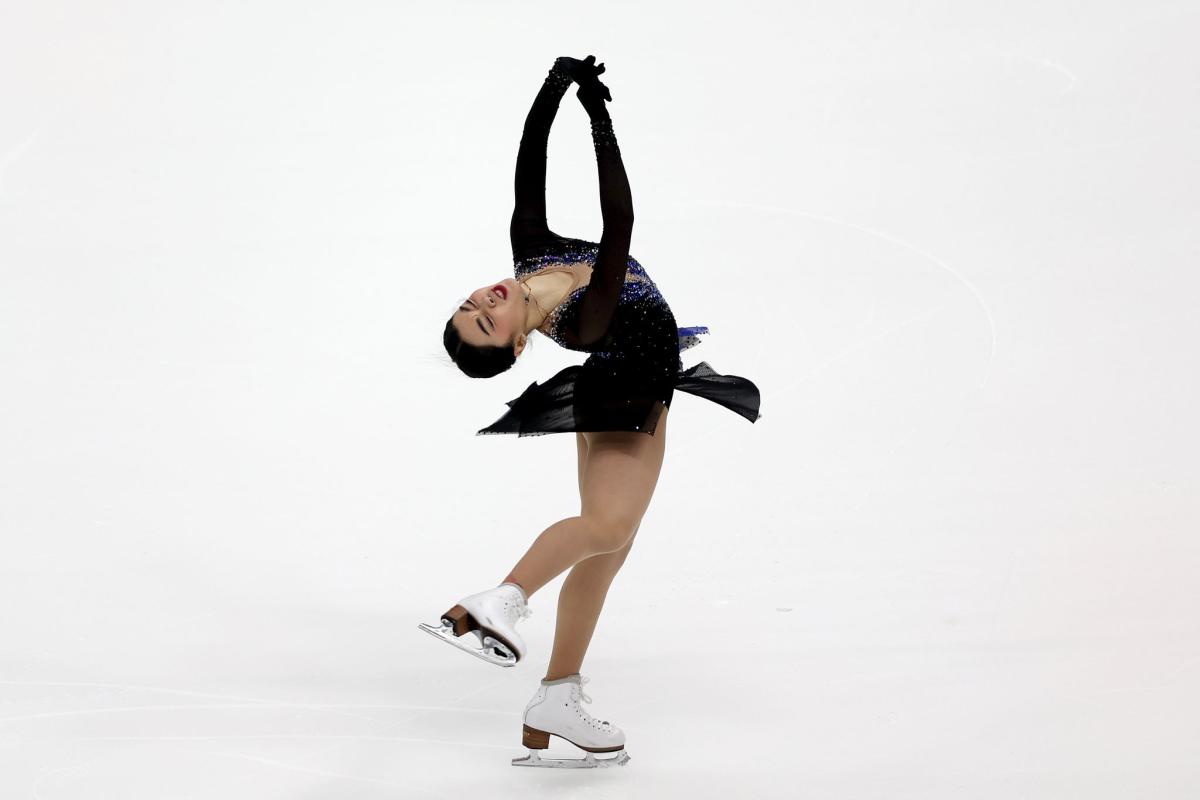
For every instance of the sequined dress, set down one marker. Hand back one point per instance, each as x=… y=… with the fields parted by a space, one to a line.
x=619 y=317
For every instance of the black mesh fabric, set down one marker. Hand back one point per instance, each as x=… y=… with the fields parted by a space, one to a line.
x=619 y=317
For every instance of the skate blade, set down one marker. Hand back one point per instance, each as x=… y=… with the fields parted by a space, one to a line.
x=589 y=761
x=493 y=650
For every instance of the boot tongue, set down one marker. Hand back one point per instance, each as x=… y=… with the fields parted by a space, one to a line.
x=516 y=586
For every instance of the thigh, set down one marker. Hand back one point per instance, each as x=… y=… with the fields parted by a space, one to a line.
x=581 y=447
x=621 y=472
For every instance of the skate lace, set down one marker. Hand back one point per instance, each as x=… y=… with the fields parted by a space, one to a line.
x=524 y=611
x=586 y=699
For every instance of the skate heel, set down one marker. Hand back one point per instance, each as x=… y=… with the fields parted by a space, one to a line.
x=534 y=739
x=459 y=619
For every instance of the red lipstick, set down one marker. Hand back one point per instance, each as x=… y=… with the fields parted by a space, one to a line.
x=500 y=290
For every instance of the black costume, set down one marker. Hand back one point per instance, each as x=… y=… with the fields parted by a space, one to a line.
x=619 y=317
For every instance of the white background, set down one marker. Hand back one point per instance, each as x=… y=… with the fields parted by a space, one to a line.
x=954 y=244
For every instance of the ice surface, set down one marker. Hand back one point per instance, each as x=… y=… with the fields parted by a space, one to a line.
x=955 y=246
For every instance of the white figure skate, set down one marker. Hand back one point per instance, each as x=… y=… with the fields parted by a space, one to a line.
x=491 y=616
x=555 y=711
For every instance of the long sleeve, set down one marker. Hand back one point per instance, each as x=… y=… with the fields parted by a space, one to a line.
x=594 y=321
x=528 y=228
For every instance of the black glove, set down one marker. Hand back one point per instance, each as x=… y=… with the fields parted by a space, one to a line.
x=592 y=93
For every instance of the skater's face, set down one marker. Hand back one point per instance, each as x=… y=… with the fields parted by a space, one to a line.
x=492 y=315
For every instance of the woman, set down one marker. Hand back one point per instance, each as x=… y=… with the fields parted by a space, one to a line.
x=595 y=298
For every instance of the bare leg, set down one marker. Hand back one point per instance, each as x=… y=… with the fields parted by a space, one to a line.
x=615 y=486
x=579 y=603
x=582 y=597
x=560 y=547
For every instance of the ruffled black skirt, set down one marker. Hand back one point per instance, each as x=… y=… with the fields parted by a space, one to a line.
x=608 y=393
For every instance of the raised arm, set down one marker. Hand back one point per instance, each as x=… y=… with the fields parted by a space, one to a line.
x=616 y=208
x=528 y=228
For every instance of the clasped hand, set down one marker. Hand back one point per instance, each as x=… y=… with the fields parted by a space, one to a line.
x=592 y=93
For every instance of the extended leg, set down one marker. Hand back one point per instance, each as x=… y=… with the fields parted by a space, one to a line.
x=579 y=604
x=618 y=481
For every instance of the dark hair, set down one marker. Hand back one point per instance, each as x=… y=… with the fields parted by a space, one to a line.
x=474 y=361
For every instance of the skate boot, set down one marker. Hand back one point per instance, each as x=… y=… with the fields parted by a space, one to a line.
x=491 y=616
x=555 y=711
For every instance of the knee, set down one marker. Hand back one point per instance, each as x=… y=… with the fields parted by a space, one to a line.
x=609 y=534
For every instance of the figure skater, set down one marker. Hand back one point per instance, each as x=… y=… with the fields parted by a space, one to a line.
x=595 y=298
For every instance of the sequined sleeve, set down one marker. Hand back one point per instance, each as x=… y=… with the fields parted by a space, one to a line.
x=592 y=325
x=528 y=230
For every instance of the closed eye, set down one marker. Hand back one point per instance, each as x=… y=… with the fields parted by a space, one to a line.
x=489 y=319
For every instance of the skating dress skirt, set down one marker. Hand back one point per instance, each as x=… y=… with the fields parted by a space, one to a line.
x=631 y=375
